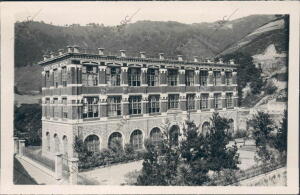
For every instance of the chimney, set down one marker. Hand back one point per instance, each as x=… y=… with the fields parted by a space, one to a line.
x=76 y=49
x=45 y=57
x=123 y=54
x=70 y=49
x=208 y=60
x=220 y=61
x=231 y=61
x=179 y=57
x=161 y=56
x=101 y=51
x=60 y=52
x=51 y=54
x=143 y=54
x=195 y=58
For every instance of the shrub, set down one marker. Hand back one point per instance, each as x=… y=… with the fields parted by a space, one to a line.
x=270 y=87
x=240 y=134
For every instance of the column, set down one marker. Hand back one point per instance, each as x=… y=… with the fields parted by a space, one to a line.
x=73 y=167
x=210 y=79
x=51 y=108
x=211 y=102
x=235 y=99
x=103 y=107
x=124 y=76
x=223 y=100
x=145 y=105
x=182 y=102
x=60 y=108
x=234 y=78
x=59 y=77
x=164 y=103
x=144 y=82
x=102 y=76
x=51 y=78
x=163 y=77
x=181 y=77
x=44 y=108
x=198 y=98
x=58 y=166
x=125 y=105
x=197 y=78
x=16 y=145
x=43 y=79
x=21 y=147
x=222 y=78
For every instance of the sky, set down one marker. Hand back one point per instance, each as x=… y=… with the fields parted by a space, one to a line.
x=112 y=13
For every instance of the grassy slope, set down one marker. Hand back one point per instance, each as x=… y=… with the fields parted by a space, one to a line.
x=21 y=176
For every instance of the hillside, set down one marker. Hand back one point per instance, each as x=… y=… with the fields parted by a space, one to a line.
x=33 y=39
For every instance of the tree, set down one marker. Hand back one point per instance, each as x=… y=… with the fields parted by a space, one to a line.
x=194 y=152
x=262 y=128
x=219 y=156
x=281 y=138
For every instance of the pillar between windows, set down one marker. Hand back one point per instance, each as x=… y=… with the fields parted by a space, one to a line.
x=181 y=77
x=234 y=78
x=197 y=78
x=198 y=99
x=210 y=78
x=163 y=77
x=124 y=76
x=102 y=76
x=223 y=99
x=222 y=78
x=211 y=102
x=144 y=77
x=51 y=75
x=164 y=103
x=235 y=99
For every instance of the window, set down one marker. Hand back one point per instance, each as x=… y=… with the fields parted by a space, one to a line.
x=90 y=107
x=228 y=77
x=156 y=136
x=92 y=143
x=56 y=77
x=47 y=102
x=205 y=128
x=152 y=77
x=153 y=103
x=114 y=106
x=172 y=77
x=47 y=141
x=189 y=78
x=204 y=101
x=89 y=75
x=217 y=78
x=174 y=135
x=64 y=76
x=136 y=139
x=115 y=142
x=173 y=101
x=229 y=100
x=190 y=103
x=56 y=108
x=65 y=108
x=217 y=100
x=135 y=105
x=113 y=76
x=203 y=77
x=134 y=77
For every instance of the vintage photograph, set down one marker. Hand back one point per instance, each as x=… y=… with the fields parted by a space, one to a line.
x=130 y=94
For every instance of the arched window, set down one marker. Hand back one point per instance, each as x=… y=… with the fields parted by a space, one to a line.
x=174 y=135
x=56 y=143
x=115 y=141
x=65 y=145
x=205 y=128
x=156 y=136
x=92 y=143
x=47 y=141
x=136 y=139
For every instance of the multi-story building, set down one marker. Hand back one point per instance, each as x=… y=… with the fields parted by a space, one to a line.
x=102 y=98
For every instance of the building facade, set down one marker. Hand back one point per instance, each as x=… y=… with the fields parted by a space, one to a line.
x=102 y=98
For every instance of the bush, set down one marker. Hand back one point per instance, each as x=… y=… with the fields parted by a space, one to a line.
x=270 y=88
x=240 y=134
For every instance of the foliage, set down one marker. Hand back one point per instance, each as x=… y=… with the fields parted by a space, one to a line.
x=28 y=124
x=240 y=134
x=246 y=73
x=270 y=88
x=262 y=129
x=220 y=157
x=194 y=152
x=281 y=137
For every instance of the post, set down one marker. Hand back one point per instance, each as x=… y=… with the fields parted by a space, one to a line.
x=73 y=167
x=16 y=145
x=21 y=147
x=58 y=166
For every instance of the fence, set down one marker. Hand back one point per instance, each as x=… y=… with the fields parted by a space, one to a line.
x=35 y=154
